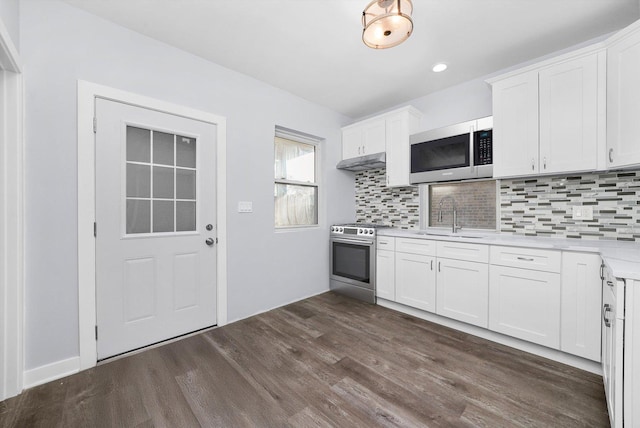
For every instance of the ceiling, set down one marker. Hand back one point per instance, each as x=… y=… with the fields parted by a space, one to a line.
x=313 y=48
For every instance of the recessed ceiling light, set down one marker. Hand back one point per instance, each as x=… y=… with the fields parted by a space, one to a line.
x=439 y=67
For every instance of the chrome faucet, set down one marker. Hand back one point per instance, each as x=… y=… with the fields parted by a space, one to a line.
x=454 y=225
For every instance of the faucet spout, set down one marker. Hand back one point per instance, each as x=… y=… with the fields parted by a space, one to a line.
x=454 y=220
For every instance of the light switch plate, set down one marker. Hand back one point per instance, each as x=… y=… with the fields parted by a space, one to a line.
x=582 y=213
x=245 y=206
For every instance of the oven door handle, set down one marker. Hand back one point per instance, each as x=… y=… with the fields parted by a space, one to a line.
x=353 y=241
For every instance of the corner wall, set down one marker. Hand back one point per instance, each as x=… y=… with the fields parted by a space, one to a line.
x=266 y=269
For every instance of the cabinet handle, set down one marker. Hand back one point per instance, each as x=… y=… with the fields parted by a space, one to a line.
x=382 y=243
x=610 y=155
x=431 y=264
x=533 y=164
x=438 y=266
x=606 y=308
x=358 y=149
x=610 y=284
x=602 y=271
x=544 y=162
x=526 y=259
x=363 y=149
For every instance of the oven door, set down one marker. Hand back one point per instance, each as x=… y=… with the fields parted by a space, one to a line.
x=353 y=261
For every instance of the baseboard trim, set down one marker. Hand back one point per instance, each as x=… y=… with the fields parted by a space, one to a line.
x=48 y=372
x=280 y=305
x=532 y=348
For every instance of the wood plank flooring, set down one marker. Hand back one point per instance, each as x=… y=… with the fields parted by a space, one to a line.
x=324 y=361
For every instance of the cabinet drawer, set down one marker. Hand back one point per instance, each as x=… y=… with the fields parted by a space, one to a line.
x=386 y=243
x=463 y=251
x=526 y=258
x=416 y=246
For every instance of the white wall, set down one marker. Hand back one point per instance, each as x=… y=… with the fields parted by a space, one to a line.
x=60 y=45
x=10 y=16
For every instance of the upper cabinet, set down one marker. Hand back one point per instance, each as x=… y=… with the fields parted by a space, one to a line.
x=550 y=117
x=388 y=133
x=623 y=98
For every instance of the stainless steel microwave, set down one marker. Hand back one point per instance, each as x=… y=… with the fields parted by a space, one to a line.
x=456 y=152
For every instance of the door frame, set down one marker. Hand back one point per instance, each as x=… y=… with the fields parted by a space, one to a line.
x=11 y=218
x=87 y=94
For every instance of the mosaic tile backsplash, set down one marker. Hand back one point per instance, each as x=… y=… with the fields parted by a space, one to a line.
x=543 y=206
x=533 y=206
x=377 y=203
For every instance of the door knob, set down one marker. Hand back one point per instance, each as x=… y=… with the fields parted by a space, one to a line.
x=209 y=242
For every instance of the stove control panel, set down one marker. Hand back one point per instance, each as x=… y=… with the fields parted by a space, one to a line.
x=353 y=231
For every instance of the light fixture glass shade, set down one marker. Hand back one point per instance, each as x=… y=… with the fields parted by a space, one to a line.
x=387 y=23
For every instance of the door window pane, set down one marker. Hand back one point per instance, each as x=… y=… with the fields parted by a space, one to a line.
x=163 y=216
x=138 y=180
x=185 y=216
x=138 y=216
x=138 y=144
x=162 y=182
x=153 y=182
x=162 y=148
x=185 y=184
x=185 y=152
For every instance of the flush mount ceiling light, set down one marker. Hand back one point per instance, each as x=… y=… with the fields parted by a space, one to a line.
x=387 y=23
x=439 y=67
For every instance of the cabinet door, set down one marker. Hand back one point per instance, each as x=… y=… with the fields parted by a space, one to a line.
x=515 y=125
x=462 y=291
x=612 y=352
x=569 y=116
x=623 y=93
x=525 y=304
x=385 y=275
x=416 y=281
x=374 y=137
x=351 y=142
x=397 y=129
x=581 y=303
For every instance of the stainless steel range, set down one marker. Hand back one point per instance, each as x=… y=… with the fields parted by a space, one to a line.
x=353 y=260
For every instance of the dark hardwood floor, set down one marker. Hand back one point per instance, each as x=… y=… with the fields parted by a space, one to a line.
x=324 y=361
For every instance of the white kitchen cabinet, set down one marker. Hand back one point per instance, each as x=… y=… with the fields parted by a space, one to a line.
x=515 y=125
x=569 y=116
x=623 y=93
x=364 y=138
x=525 y=304
x=462 y=291
x=389 y=133
x=550 y=117
x=416 y=281
x=612 y=347
x=580 y=305
x=399 y=126
x=385 y=274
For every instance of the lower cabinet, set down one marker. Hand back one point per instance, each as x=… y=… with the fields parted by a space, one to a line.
x=463 y=291
x=525 y=304
x=416 y=281
x=386 y=274
x=581 y=305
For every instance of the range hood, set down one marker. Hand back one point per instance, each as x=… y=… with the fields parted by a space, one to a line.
x=361 y=163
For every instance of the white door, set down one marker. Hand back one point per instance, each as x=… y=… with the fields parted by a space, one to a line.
x=156 y=226
x=462 y=291
x=416 y=281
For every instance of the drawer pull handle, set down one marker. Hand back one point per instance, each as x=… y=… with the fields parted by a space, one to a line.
x=383 y=243
x=526 y=259
x=607 y=308
x=610 y=284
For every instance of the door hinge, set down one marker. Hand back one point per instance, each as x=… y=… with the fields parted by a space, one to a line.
x=96 y=332
x=95 y=124
x=95 y=229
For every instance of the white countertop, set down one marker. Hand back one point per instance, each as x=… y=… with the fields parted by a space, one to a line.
x=623 y=258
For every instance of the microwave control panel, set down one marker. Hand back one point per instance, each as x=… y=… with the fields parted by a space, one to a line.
x=483 y=147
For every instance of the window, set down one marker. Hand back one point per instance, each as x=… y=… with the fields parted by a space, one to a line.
x=296 y=183
x=160 y=182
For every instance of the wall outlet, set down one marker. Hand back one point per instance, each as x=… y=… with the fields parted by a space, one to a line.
x=245 y=207
x=582 y=213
